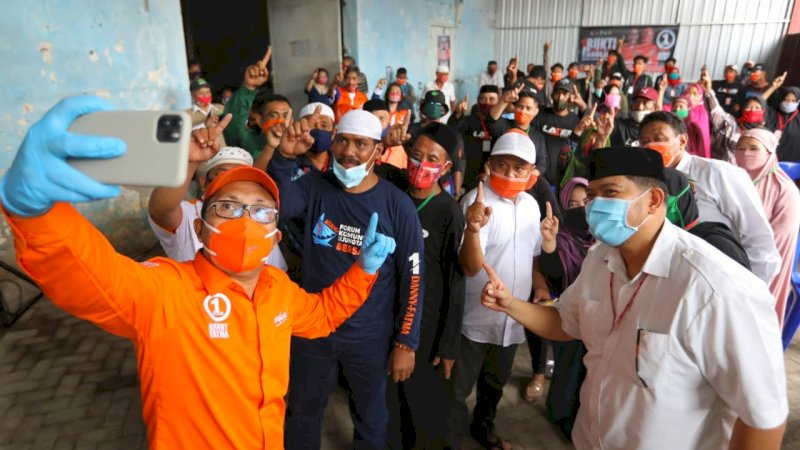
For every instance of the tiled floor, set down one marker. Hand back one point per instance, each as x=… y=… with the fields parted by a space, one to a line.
x=66 y=384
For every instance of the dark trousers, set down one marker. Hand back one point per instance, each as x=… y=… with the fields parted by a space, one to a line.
x=537 y=347
x=313 y=369
x=490 y=366
x=418 y=406
x=563 y=399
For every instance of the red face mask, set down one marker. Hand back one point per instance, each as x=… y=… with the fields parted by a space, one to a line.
x=755 y=76
x=322 y=80
x=611 y=59
x=442 y=78
x=423 y=175
x=555 y=76
x=240 y=245
x=753 y=116
x=351 y=87
x=203 y=100
x=730 y=77
x=572 y=73
x=510 y=187
x=271 y=123
x=401 y=81
x=522 y=118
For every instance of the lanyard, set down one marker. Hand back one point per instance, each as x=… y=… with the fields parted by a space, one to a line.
x=618 y=320
x=782 y=125
x=425 y=202
x=486 y=135
x=761 y=178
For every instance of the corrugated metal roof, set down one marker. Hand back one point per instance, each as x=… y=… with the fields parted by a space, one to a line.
x=712 y=32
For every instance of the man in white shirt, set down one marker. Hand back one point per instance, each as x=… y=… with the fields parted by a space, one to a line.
x=723 y=191
x=492 y=76
x=172 y=217
x=441 y=83
x=201 y=102
x=684 y=348
x=502 y=229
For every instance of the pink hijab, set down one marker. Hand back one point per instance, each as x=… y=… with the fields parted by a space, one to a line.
x=699 y=115
x=781 y=200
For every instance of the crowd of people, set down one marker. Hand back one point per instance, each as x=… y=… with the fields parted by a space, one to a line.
x=637 y=227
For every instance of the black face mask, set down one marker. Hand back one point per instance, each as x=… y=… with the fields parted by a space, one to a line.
x=255 y=129
x=575 y=219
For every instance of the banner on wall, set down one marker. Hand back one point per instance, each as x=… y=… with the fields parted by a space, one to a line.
x=656 y=43
x=443 y=51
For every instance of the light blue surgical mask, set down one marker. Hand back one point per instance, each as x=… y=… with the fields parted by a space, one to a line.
x=508 y=115
x=788 y=107
x=607 y=218
x=353 y=176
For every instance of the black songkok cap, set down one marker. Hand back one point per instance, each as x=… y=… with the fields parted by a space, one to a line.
x=627 y=161
x=443 y=135
x=490 y=88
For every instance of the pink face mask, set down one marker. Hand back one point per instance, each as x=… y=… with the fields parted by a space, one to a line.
x=395 y=98
x=751 y=161
x=612 y=100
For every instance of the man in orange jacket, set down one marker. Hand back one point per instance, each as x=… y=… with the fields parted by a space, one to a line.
x=211 y=335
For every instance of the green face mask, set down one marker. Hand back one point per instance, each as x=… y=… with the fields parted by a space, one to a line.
x=682 y=113
x=673 y=210
x=433 y=111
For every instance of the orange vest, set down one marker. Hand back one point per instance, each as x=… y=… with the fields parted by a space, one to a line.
x=213 y=363
x=344 y=105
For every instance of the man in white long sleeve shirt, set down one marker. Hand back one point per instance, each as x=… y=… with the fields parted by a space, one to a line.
x=723 y=191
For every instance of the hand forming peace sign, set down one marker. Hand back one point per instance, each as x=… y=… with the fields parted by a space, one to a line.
x=204 y=144
x=296 y=138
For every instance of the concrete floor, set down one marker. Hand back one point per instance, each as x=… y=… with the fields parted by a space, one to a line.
x=65 y=384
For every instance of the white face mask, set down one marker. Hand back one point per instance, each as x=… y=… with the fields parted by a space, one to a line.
x=788 y=107
x=638 y=116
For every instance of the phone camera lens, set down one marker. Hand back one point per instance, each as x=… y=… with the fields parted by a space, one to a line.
x=169 y=128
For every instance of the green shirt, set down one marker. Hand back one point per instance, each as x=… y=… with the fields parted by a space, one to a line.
x=237 y=134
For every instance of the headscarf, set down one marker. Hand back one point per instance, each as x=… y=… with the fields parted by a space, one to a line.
x=744 y=103
x=767 y=178
x=699 y=115
x=571 y=244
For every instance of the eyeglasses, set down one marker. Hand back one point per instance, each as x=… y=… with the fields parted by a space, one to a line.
x=229 y=209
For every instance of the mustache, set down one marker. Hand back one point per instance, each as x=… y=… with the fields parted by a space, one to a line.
x=344 y=159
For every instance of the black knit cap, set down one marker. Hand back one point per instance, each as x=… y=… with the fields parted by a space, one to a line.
x=628 y=161
x=443 y=135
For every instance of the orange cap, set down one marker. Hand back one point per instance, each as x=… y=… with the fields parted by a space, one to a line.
x=243 y=173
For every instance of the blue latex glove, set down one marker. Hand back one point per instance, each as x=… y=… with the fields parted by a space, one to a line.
x=375 y=248
x=40 y=175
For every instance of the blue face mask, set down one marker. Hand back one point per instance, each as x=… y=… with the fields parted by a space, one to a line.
x=322 y=140
x=508 y=115
x=607 y=218
x=353 y=176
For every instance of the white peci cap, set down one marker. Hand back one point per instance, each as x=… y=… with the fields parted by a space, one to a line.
x=441 y=68
x=311 y=107
x=360 y=123
x=227 y=155
x=515 y=144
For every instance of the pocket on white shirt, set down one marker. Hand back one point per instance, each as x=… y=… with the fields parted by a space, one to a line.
x=652 y=363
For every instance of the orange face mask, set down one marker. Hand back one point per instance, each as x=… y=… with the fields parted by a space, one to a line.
x=510 y=187
x=637 y=70
x=555 y=76
x=240 y=245
x=572 y=73
x=663 y=148
x=271 y=123
x=522 y=118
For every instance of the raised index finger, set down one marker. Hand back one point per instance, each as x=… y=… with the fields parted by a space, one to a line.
x=493 y=278
x=406 y=121
x=267 y=57
x=549 y=210
x=479 y=197
x=372 y=228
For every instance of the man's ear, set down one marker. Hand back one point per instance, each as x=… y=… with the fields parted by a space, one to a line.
x=657 y=199
x=379 y=152
x=447 y=166
x=683 y=140
x=278 y=236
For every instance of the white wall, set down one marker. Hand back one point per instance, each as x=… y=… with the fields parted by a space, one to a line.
x=713 y=32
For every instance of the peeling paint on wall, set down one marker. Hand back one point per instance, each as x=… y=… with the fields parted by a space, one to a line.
x=114 y=50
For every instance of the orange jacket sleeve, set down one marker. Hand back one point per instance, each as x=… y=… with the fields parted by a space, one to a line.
x=317 y=315
x=78 y=269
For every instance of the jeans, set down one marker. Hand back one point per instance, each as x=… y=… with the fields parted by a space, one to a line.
x=313 y=369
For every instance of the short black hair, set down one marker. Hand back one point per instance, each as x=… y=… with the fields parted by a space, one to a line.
x=350 y=58
x=674 y=122
x=671 y=59
x=265 y=97
x=401 y=71
x=525 y=93
x=322 y=69
x=640 y=58
x=492 y=62
x=646 y=183
x=556 y=66
x=352 y=68
x=571 y=65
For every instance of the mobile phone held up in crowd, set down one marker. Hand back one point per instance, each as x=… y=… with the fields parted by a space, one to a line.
x=158 y=147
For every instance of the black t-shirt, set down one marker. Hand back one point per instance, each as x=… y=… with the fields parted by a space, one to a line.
x=556 y=130
x=442 y=228
x=751 y=91
x=477 y=145
x=500 y=127
x=727 y=94
x=626 y=132
x=543 y=193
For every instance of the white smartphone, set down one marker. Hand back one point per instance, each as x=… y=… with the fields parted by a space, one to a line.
x=158 y=147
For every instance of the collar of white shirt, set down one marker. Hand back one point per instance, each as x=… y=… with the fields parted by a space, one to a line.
x=199 y=109
x=685 y=162
x=657 y=263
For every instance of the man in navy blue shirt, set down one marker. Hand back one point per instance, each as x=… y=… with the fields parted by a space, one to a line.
x=336 y=206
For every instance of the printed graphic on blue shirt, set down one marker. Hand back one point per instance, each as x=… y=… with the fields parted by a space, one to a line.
x=348 y=238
